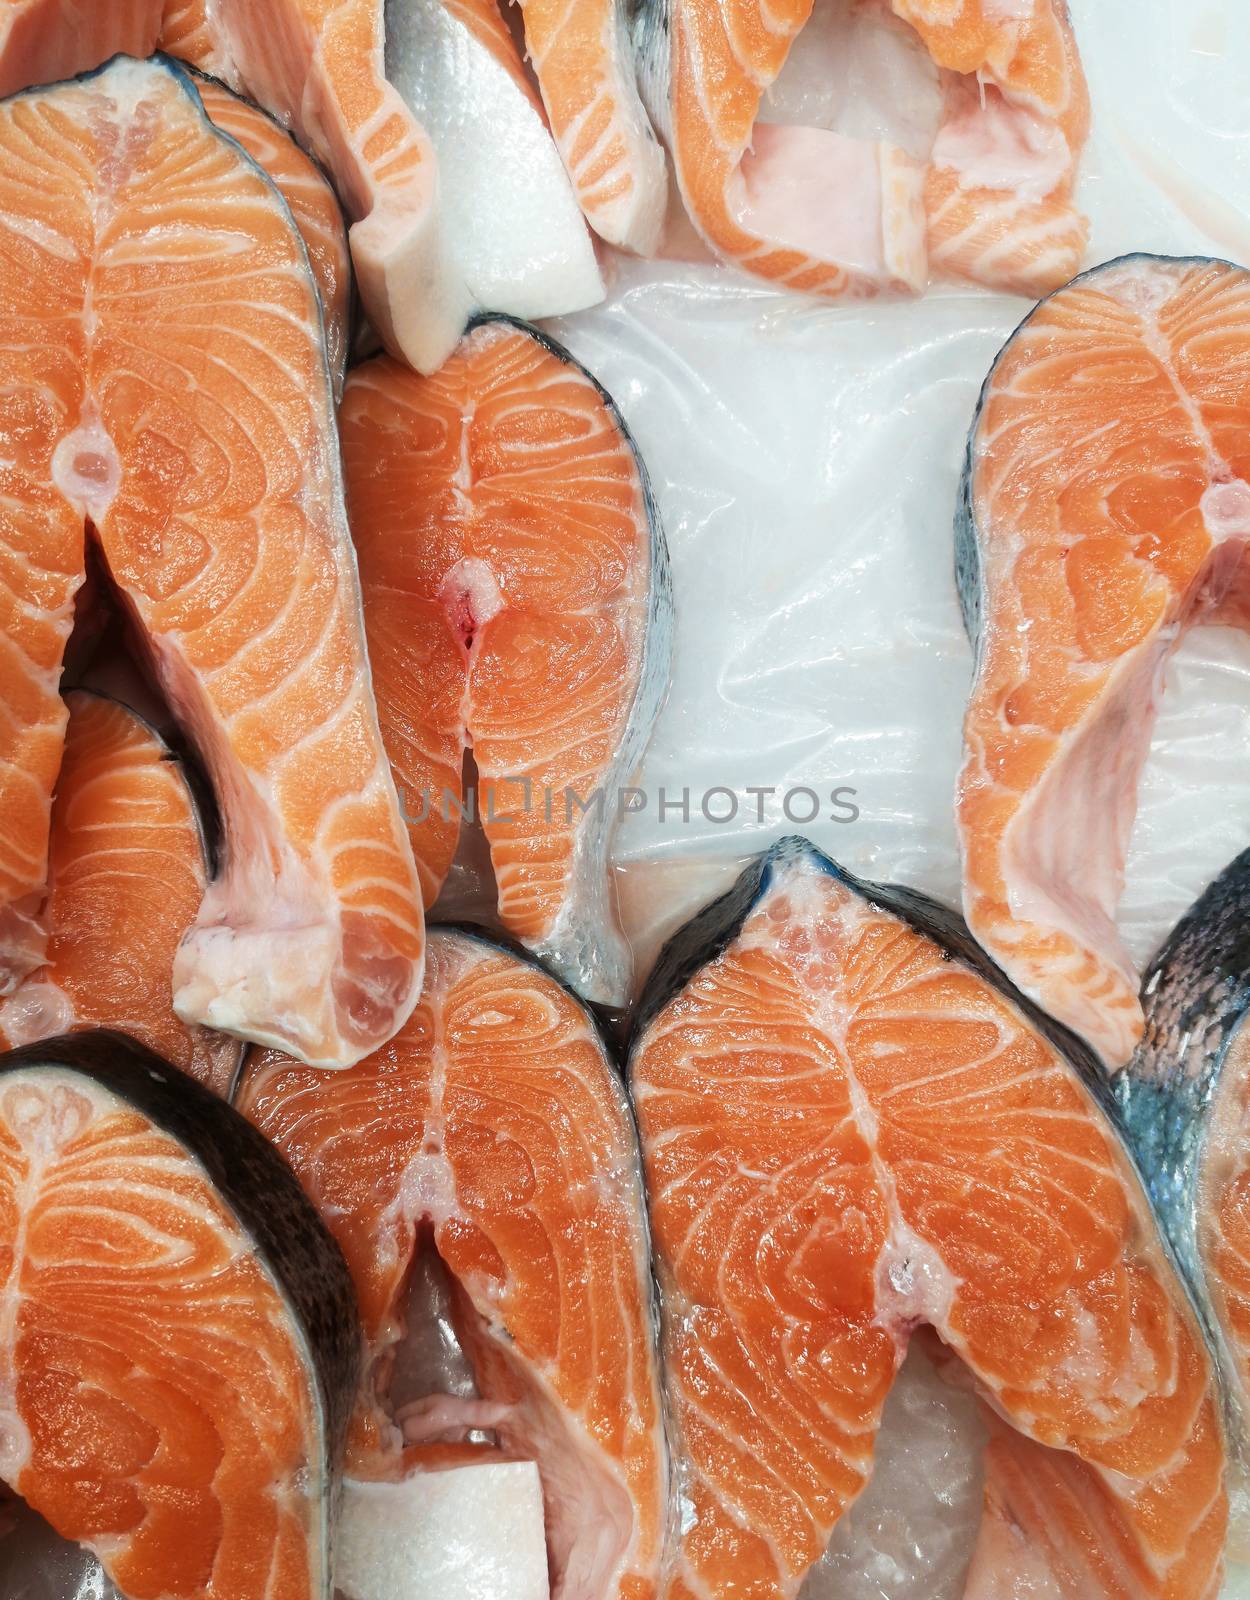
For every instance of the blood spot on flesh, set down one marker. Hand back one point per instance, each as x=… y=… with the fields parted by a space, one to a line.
x=470 y=596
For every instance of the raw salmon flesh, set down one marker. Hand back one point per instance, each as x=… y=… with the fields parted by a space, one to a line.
x=347 y=1258
x=517 y=604
x=180 y=1343
x=1105 y=508
x=816 y=209
x=313 y=204
x=852 y=1125
x=128 y=866
x=496 y=1122
x=181 y=417
x=585 y=68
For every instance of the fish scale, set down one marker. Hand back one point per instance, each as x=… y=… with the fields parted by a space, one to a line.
x=1185 y=1098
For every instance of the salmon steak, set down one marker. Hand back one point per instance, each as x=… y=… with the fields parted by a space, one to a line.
x=999 y=198
x=1186 y=1104
x=517 y=605
x=581 y=56
x=852 y=1125
x=1105 y=508
x=495 y=1127
x=181 y=1344
x=181 y=418
x=128 y=868
x=987 y=195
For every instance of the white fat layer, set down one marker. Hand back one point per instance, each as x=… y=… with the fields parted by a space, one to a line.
x=859 y=71
x=43 y=1111
x=512 y=222
x=426 y=1193
x=993 y=144
x=85 y=465
x=462 y=1534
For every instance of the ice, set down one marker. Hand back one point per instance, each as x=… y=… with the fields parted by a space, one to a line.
x=1236 y=1582
x=468 y=1533
x=910 y=1534
x=37 y=1564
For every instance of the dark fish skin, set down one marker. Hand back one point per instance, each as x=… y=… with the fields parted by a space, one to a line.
x=711 y=930
x=1196 y=996
x=254 y=1181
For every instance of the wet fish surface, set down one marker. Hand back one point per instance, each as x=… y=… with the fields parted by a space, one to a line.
x=517 y=603
x=181 y=418
x=1104 y=509
x=852 y=1125
x=582 y=58
x=988 y=196
x=1186 y=1103
x=129 y=864
x=314 y=206
x=175 y=1315
x=494 y=1132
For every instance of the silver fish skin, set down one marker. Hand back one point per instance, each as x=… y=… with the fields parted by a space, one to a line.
x=650 y=24
x=1184 y=1100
